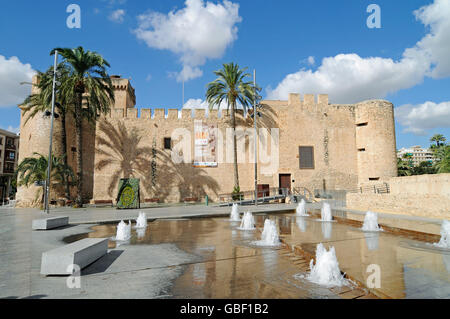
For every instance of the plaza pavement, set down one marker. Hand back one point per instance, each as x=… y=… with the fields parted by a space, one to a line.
x=21 y=250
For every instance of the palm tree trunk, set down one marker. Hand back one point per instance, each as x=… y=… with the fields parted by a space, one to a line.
x=78 y=130
x=233 y=123
x=64 y=147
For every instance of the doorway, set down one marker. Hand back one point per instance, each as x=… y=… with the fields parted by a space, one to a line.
x=285 y=181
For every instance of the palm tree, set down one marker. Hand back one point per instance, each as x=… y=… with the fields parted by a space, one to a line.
x=231 y=87
x=34 y=169
x=442 y=163
x=438 y=138
x=89 y=82
x=403 y=168
x=41 y=101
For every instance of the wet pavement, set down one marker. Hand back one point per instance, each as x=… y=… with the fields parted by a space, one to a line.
x=210 y=258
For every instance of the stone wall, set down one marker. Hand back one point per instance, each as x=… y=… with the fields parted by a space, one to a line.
x=424 y=195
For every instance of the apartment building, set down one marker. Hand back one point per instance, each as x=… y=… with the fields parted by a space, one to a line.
x=9 y=155
x=418 y=154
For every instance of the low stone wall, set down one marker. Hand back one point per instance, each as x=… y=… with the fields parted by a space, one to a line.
x=438 y=184
x=433 y=206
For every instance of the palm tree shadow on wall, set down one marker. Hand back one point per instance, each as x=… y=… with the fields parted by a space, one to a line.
x=122 y=151
x=266 y=121
x=190 y=181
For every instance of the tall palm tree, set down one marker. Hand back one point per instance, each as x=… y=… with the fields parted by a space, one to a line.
x=42 y=101
x=438 y=138
x=34 y=169
x=232 y=87
x=91 y=84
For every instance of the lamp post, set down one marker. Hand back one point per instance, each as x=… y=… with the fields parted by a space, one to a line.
x=49 y=167
x=255 y=139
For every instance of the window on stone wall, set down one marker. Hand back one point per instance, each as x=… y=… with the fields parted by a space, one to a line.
x=167 y=143
x=306 y=154
x=362 y=124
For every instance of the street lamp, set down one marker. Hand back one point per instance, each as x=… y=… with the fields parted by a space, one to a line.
x=255 y=139
x=49 y=167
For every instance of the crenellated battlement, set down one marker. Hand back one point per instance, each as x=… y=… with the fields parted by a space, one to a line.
x=308 y=99
x=170 y=114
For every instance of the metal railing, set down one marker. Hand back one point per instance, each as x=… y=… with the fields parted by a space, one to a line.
x=264 y=195
x=382 y=188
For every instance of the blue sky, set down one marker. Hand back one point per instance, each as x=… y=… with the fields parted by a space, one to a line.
x=347 y=60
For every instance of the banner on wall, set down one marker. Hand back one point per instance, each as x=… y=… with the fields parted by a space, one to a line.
x=205 y=146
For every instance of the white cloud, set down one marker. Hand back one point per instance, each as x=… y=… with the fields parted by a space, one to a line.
x=117 y=16
x=436 y=44
x=419 y=118
x=349 y=78
x=10 y=128
x=200 y=31
x=12 y=73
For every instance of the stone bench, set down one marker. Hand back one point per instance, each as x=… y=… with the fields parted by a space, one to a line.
x=82 y=253
x=50 y=223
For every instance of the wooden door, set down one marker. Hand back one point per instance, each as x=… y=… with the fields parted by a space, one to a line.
x=285 y=181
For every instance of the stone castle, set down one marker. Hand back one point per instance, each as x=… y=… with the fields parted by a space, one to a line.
x=320 y=146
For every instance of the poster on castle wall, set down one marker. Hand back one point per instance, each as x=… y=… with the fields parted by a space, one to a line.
x=205 y=146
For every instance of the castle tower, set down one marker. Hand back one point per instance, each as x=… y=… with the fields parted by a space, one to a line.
x=375 y=141
x=34 y=138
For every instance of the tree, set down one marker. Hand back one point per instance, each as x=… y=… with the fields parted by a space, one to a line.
x=439 y=139
x=442 y=155
x=42 y=101
x=231 y=87
x=34 y=169
x=91 y=84
x=403 y=168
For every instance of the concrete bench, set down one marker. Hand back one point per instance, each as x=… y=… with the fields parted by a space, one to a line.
x=82 y=253
x=50 y=223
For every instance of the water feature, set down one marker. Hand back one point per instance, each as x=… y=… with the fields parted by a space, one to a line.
x=248 y=222
x=301 y=208
x=445 y=235
x=235 y=213
x=141 y=221
x=301 y=223
x=371 y=222
x=326 y=271
x=123 y=231
x=326 y=213
x=270 y=235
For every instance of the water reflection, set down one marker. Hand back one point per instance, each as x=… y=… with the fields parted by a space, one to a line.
x=372 y=240
x=301 y=223
x=327 y=230
x=140 y=232
x=446 y=260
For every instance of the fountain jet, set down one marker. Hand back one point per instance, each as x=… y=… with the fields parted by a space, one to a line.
x=301 y=208
x=270 y=235
x=248 y=222
x=123 y=231
x=371 y=222
x=326 y=213
x=445 y=235
x=141 y=221
x=235 y=214
x=326 y=270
